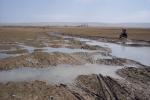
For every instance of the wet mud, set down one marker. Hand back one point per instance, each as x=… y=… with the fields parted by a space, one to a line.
x=59 y=67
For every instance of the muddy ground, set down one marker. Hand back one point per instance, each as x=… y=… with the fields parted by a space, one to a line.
x=44 y=49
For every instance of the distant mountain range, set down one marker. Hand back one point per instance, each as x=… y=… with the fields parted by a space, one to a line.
x=80 y=24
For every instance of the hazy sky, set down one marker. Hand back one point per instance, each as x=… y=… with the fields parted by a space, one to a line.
x=74 y=11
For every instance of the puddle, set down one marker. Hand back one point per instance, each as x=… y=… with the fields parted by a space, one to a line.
x=31 y=49
x=3 y=55
x=64 y=50
x=59 y=74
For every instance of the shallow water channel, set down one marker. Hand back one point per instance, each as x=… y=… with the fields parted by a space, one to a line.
x=139 y=54
x=59 y=74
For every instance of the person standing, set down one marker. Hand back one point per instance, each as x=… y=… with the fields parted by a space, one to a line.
x=123 y=35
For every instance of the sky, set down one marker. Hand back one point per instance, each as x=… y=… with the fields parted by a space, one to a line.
x=104 y=11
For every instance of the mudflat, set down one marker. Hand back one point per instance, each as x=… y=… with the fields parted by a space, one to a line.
x=74 y=63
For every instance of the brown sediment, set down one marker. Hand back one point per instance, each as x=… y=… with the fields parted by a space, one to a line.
x=39 y=60
x=132 y=74
x=8 y=46
x=36 y=90
x=137 y=81
x=86 y=87
x=107 y=88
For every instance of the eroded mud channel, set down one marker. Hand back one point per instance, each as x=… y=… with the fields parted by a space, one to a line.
x=58 y=67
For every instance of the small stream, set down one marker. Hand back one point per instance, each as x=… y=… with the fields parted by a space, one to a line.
x=139 y=54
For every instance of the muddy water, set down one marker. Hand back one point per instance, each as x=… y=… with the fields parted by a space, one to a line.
x=59 y=74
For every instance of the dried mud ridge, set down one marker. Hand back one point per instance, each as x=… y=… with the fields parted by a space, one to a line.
x=38 y=60
x=135 y=87
x=105 y=88
x=43 y=59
